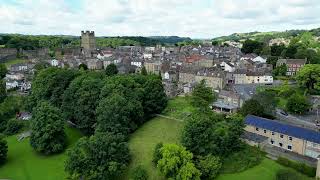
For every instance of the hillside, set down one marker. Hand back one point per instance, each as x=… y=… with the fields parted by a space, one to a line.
x=265 y=36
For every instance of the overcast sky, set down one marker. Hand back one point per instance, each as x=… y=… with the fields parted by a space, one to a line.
x=192 y=18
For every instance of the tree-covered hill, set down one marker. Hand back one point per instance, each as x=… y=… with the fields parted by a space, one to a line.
x=31 y=42
x=265 y=36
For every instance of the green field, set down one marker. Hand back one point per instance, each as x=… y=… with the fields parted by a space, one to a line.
x=179 y=108
x=144 y=140
x=12 y=62
x=25 y=164
x=265 y=171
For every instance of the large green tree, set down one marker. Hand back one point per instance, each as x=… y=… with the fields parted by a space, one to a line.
x=252 y=107
x=47 y=125
x=252 y=46
x=50 y=84
x=176 y=163
x=3 y=150
x=297 y=104
x=81 y=99
x=3 y=70
x=118 y=114
x=309 y=77
x=202 y=95
x=111 y=70
x=154 y=97
x=268 y=100
x=280 y=70
x=99 y=157
x=209 y=133
x=8 y=109
x=3 y=91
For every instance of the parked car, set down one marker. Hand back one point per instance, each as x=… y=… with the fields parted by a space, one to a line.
x=283 y=113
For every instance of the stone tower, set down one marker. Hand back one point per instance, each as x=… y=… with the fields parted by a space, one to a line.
x=88 y=43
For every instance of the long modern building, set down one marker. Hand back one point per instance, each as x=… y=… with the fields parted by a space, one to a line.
x=296 y=139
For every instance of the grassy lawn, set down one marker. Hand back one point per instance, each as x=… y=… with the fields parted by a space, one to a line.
x=16 y=61
x=265 y=171
x=143 y=141
x=25 y=164
x=179 y=108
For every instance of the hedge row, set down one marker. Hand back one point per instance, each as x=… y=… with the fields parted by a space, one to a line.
x=300 y=167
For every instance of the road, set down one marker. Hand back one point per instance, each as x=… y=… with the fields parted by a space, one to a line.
x=298 y=121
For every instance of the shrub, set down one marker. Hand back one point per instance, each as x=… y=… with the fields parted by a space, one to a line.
x=8 y=109
x=287 y=174
x=139 y=173
x=157 y=153
x=209 y=166
x=300 y=167
x=13 y=127
x=242 y=160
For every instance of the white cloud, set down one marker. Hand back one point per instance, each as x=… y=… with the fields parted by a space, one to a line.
x=205 y=18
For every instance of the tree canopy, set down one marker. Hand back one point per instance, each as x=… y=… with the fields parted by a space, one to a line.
x=202 y=95
x=209 y=133
x=3 y=150
x=119 y=115
x=309 y=77
x=297 y=104
x=176 y=163
x=209 y=166
x=47 y=125
x=80 y=100
x=111 y=70
x=50 y=84
x=99 y=157
x=3 y=70
x=3 y=91
x=252 y=46
x=252 y=107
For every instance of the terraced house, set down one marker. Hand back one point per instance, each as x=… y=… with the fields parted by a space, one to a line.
x=291 y=138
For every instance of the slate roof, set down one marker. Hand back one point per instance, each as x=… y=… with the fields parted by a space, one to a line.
x=286 y=129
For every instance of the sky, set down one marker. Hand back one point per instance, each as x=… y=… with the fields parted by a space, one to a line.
x=185 y=18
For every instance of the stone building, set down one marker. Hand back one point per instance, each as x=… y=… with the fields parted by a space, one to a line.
x=88 y=43
x=153 y=67
x=290 y=138
x=227 y=102
x=95 y=64
x=8 y=53
x=293 y=65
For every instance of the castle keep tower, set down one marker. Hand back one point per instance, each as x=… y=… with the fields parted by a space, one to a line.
x=88 y=43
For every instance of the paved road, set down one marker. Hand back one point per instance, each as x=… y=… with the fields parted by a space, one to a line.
x=298 y=121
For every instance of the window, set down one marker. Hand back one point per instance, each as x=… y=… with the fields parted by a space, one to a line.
x=265 y=131
x=290 y=138
x=272 y=133
x=289 y=147
x=280 y=144
x=272 y=142
x=257 y=129
x=281 y=135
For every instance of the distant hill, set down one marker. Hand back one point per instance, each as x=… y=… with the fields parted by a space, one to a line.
x=266 y=36
x=170 y=39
